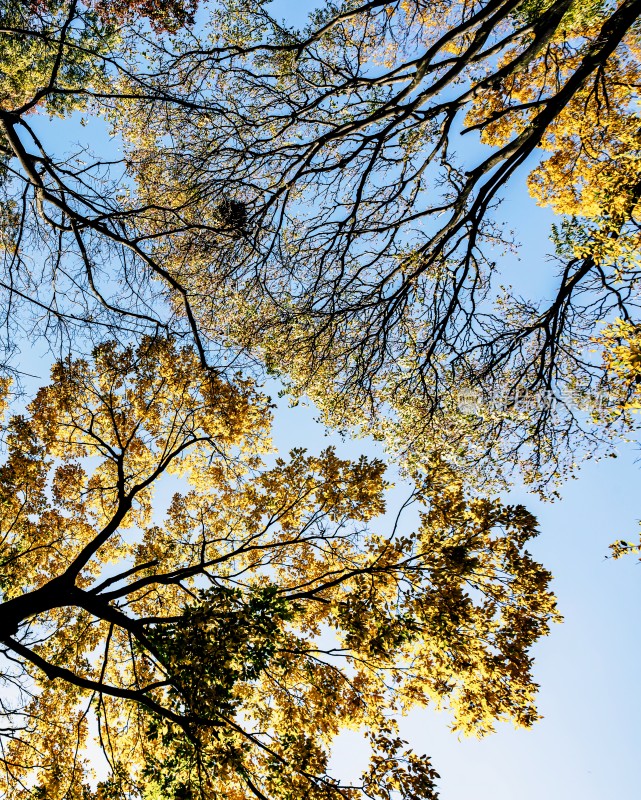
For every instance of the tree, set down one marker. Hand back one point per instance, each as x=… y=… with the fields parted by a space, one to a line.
x=311 y=181
x=621 y=343
x=72 y=268
x=217 y=647
x=365 y=268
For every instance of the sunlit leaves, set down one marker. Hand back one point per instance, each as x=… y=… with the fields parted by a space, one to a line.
x=222 y=642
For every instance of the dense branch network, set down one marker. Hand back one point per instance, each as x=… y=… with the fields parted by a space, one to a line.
x=308 y=197
x=325 y=202
x=341 y=142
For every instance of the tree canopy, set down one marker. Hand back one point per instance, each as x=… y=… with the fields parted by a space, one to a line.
x=339 y=187
x=193 y=196
x=221 y=644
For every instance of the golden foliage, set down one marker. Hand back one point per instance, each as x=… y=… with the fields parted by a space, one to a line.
x=219 y=646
